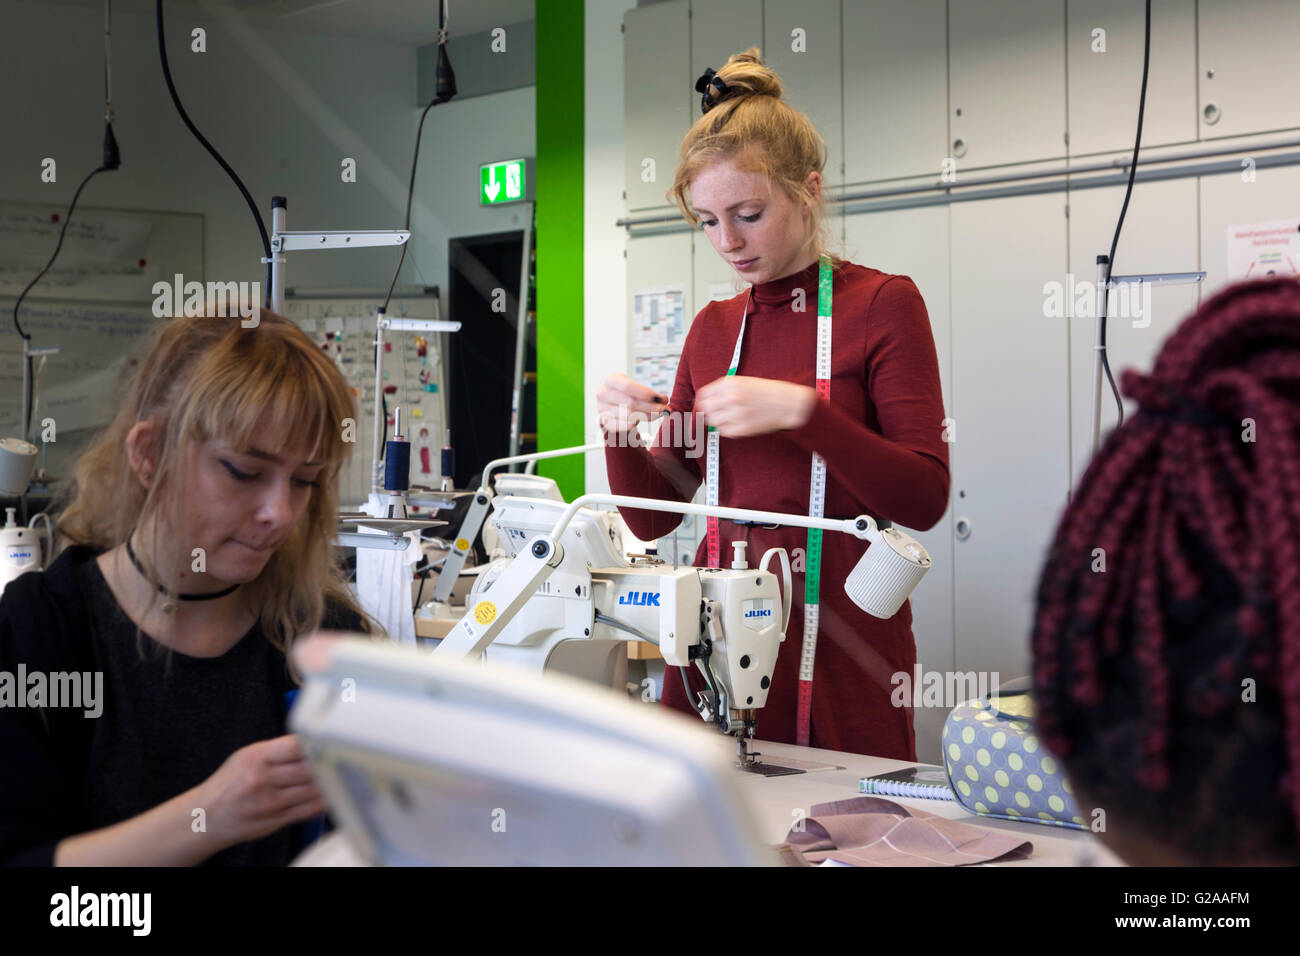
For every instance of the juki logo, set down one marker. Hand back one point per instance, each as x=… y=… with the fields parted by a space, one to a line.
x=18 y=555
x=758 y=614
x=640 y=598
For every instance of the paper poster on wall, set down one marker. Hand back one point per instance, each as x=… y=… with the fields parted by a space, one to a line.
x=1262 y=250
x=657 y=371
x=344 y=328
x=658 y=318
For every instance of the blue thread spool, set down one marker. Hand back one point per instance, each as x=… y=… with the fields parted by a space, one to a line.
x=397 y=457
x=397 y=466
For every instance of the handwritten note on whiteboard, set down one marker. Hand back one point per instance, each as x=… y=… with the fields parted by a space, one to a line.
x=102 y=250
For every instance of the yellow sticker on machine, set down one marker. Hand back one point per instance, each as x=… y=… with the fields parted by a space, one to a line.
x=462 y=544
x=485 y=612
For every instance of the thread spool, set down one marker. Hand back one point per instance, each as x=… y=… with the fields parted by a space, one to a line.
x=397 y=466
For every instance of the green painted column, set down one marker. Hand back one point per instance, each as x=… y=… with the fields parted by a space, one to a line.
x=559 y=58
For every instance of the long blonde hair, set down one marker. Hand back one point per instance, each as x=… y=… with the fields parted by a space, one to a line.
x=753 y=127
x=204 y=378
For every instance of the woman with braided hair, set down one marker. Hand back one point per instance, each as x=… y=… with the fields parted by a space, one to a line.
x=873 y=416
x=1166 y=641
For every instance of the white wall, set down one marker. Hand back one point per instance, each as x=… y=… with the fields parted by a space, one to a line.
x=605 y=322
x=284 y=110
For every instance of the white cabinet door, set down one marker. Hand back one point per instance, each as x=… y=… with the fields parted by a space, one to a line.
x=1247 y=66
x=1159 y=236
x=1104 y=47
x=720 y=28
x=895 y=89
x=1006 y=81
x=802 y=44
x=1010 y=404
x=914 y=242
x=1238 y=199
x=656 y=79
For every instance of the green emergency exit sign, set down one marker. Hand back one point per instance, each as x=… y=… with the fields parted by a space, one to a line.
x=503 y=182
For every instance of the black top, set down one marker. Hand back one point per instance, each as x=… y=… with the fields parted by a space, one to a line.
x=166 y=722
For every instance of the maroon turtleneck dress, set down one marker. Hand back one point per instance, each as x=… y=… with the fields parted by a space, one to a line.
x=881 y=434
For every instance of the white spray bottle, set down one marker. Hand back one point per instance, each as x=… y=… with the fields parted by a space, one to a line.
x=20 y=550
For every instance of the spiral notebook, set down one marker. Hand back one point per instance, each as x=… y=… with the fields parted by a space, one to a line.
x=924 y=781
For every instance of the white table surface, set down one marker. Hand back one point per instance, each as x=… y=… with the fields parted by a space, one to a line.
x=775 y=800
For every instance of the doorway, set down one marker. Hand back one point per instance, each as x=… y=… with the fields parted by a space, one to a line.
x=484 y=297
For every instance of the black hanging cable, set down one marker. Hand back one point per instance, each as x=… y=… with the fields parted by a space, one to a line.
x=1132 y=172
x=419 y=595
x=445 y=89
x=185 y=117
x=62 y=232
x=110 y=161
x=108 y=51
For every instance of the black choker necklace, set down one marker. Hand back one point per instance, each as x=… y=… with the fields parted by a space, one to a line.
x=169 y=606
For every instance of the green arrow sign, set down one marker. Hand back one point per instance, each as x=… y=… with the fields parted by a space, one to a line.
x=501 y=182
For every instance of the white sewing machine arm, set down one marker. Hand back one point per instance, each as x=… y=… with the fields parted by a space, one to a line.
x=724 y=620
x=536 y=486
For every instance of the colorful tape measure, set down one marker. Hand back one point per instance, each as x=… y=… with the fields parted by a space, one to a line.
x=816 y=499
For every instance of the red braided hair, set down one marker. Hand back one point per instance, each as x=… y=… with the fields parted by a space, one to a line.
x=1194 y=504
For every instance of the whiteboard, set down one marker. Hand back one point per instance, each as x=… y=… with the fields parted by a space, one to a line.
x=94 y=305
x=343 y=324
x=80 y=388
x=107 y=254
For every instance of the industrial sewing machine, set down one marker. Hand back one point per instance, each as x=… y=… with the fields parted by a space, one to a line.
x=566 y=600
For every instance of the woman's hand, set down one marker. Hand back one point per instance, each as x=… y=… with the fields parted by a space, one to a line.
x=740 y=406
x=259 y=789
x=623 y=403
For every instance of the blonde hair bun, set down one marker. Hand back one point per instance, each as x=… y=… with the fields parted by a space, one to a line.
x=742 y=75
x=746 y=119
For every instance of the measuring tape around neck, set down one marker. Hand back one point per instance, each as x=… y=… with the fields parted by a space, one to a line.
x=816 y=499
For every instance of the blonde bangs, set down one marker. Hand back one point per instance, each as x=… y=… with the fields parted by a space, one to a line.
x=203 y=378
x=294 y=396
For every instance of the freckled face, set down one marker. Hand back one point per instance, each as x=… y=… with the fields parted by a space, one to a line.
x=752 y=224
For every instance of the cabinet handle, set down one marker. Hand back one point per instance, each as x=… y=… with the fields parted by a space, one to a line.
x=958 y=148
x=1212 y=113
x=963 y=528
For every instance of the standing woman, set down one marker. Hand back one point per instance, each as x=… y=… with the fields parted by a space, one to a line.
x=752 y=166
x=197 y=547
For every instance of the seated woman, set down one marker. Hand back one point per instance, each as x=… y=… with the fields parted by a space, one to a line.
x=193 y=548
x=1166 y=643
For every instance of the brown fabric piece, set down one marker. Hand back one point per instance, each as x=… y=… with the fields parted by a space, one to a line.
x=869 y=831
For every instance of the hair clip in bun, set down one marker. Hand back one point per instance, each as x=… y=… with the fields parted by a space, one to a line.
x=706 y=84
